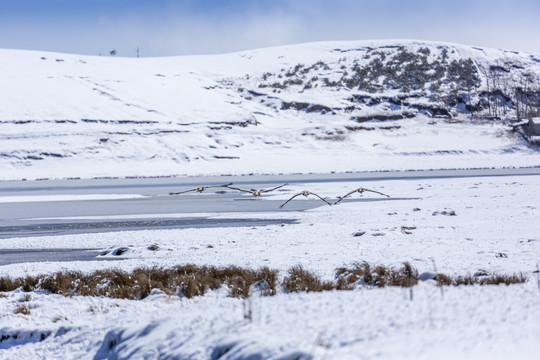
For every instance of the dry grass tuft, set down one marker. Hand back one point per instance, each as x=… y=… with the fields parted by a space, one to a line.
x=22 y=309
x=359 y=273
x=443 y=279
x=406 y=276
x=57 y=319
x=380 y=276
x=494 y=279
x=300 y=279
x=8 y=284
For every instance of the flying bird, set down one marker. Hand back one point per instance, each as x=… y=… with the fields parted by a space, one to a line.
x=257 y=192
x=199 y=189
x=306 y=193
x=359 y=190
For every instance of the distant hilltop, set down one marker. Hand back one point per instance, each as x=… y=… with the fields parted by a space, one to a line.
x=357 y=78
x=59 y=108
x=404 y=78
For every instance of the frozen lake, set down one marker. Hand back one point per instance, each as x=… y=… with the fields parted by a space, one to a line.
x=63 y=207
x=30 y=208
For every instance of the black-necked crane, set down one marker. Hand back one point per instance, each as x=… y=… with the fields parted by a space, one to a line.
x=257 y=192
x=199 y=189
x=306 y=193
x=360 y=191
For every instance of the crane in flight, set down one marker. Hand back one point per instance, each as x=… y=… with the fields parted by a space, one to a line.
x=306 y=193
x=360 y=191
x=199 y=189
x=257 y=192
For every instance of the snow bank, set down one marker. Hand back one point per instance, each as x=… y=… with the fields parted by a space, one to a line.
x=475 y=322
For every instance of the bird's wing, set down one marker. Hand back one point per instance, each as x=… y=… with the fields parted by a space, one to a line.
x=244 y=190
x=224 y=185
x=377 y=192
x=181 y=192
x=320 y=198
x=272 y=189
x=285 y=203
x=344 y=196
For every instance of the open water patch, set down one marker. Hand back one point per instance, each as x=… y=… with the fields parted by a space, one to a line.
x=79 y=227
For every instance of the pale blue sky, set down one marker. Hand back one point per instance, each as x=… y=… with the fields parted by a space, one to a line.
x=168 y=27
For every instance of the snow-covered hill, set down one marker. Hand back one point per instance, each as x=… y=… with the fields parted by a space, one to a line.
x=334 y=106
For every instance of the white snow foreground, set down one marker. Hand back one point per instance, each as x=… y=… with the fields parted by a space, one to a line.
x=277 y=110
x=494 y=231
x=467 y=322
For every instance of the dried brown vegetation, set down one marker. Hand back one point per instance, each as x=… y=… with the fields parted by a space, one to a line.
x=57 y=319
x=379 y=276
x=300 y=279
x=22 y=309
x=191 y=280
x=443 y=279
x=186 y=280
x=494 y=279
x=407 y=276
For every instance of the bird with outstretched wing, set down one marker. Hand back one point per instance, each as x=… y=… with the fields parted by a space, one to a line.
x=257 y=192
x=360 y=191
x=306 y=193
x=199 y=189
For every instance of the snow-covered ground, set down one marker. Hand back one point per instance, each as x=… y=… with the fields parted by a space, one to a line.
x=67 y=116
x=495 y=230
x=493 y=322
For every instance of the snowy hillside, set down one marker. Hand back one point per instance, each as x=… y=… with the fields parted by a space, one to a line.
x=335 y=106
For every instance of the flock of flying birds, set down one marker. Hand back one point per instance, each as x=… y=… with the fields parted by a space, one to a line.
x=305 y=193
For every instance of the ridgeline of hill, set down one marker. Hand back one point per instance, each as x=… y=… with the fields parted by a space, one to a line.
x=63 y=115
